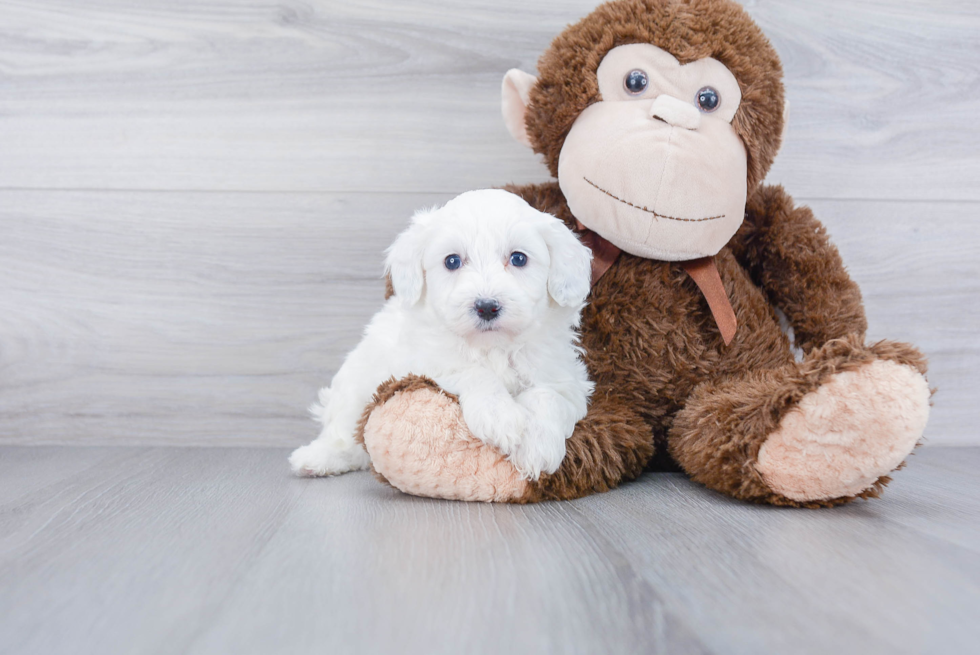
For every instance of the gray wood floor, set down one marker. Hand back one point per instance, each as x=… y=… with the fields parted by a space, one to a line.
x=110 y=550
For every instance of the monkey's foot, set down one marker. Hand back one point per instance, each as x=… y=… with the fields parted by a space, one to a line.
x=419 y=443
x=842 y=437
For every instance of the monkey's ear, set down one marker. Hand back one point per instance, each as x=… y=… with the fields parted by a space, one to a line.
x=515 y=99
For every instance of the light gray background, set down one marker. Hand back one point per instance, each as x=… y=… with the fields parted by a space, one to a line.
x=194 y=196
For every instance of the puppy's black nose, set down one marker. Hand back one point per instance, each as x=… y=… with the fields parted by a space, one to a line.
x=487 y=309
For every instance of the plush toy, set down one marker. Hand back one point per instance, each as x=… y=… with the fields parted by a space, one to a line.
x=660 y=119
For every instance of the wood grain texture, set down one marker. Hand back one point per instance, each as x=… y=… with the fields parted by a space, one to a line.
x=404 y=96
x=212 y=318
x=202 y=550
x=194 y=197
x=182 y=318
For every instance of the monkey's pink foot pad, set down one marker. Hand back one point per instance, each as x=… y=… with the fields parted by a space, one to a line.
x=842 y=437
x=419 y=442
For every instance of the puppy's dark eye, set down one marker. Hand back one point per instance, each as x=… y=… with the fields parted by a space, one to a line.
x=708 y=100
x=636 y=82
x=518 y=259
x=453 y=262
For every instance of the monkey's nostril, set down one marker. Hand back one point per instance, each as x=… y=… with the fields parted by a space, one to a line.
x=487 y=309
x=675 y=113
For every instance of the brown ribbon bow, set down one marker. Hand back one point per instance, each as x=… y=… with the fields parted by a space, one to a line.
x=703 y=271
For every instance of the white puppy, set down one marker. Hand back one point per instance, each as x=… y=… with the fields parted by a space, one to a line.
x=488 y=293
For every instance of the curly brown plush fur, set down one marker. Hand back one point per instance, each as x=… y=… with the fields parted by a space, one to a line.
x=651 y=342
x=668 y=390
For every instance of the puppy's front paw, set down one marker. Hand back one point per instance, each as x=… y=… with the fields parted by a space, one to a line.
x=328 y=457
x=496 y=421
x=541 y=451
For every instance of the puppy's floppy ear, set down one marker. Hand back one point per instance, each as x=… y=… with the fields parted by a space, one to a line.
x=404 y=259
x=570 y=275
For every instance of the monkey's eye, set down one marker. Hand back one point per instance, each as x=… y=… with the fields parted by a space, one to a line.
x=518 y=259
x=453 y=262
x=708 y=100
x=635 y=82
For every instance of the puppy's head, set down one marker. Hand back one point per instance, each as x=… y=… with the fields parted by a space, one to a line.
x=488 y=263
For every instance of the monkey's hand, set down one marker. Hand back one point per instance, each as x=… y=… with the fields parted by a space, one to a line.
x=789 y=255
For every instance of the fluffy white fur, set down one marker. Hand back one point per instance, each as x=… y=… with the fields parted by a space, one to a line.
x=520 y=380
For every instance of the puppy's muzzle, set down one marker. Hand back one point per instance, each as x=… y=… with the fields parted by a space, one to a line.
x=487 y=310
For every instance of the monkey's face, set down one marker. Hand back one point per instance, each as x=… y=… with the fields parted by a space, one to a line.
x=656 y=167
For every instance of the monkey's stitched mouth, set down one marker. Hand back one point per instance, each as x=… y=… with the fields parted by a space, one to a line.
x=650 y=211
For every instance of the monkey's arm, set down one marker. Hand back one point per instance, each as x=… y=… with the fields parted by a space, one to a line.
x=789 y=255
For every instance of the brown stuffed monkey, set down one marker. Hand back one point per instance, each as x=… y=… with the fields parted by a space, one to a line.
x=660 y=119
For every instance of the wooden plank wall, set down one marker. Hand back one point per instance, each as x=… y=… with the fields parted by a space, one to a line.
x=194 y=196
